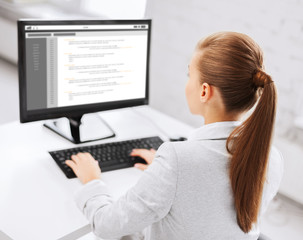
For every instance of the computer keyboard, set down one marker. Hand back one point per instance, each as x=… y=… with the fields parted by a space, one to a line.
x=111 y=156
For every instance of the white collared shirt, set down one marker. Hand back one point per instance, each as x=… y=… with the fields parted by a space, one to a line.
x=184 y=194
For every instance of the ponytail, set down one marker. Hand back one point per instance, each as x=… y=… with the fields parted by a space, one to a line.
x=249 y=146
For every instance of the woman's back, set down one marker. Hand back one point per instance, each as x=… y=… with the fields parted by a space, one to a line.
x=203 y=207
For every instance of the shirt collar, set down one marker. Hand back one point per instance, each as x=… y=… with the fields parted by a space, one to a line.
x=217 y=130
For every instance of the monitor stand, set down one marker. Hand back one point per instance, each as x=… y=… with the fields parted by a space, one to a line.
x=80 y=129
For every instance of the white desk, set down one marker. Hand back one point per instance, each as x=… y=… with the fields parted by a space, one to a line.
x=36 y=198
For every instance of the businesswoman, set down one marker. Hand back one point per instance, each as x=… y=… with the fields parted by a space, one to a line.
x=217 y=184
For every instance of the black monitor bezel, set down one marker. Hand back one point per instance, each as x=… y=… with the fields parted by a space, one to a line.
x=79 y=110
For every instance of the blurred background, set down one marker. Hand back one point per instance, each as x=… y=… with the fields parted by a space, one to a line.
x=277 y=26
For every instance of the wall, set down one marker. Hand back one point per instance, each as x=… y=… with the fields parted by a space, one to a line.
x=277 y=26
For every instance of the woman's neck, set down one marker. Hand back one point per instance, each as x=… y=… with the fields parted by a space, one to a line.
x=212 y=118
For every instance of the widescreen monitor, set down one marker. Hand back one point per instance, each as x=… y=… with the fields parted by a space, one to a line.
x=68 y=68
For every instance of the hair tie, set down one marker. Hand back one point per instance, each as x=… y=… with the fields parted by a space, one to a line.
x=260 y=78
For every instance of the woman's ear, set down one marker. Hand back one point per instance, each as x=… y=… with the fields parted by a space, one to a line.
x=205 y=93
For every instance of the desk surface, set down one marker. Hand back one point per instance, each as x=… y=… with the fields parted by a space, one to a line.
x=36 y=198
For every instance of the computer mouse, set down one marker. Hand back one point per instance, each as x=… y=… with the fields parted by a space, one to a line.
x=177 y=139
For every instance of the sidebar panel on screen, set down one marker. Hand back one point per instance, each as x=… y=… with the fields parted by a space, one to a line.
x=36 y=73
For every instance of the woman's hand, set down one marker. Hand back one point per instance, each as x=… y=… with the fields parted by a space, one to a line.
x=147 y=155
x=85 y=167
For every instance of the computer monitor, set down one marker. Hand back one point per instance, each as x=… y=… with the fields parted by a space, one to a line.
x=68 y=68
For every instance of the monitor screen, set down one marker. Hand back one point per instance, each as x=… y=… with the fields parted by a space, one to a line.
x=69 y=68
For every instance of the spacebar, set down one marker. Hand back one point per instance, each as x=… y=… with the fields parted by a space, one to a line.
x=108 y=166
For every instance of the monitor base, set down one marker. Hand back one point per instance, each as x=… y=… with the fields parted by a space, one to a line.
x=81 y=129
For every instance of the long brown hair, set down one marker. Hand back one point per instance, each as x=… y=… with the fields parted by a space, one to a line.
x=233 y=63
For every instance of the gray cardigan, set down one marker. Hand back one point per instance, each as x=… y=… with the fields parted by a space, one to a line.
x=184 y=194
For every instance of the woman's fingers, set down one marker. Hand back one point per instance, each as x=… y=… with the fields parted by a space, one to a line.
x=89 y=156
x=72 y=165
x=146 y=154
x=141 y=166
x=82 y=156
x=84 y=166
x=75 y=158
